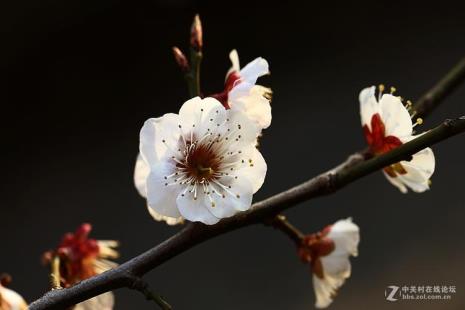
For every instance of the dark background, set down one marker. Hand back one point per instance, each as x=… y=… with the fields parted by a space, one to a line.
x=79 y=79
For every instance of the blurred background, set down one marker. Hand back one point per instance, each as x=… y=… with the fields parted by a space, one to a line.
x=78 y=79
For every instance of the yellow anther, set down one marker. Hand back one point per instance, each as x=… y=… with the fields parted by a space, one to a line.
x=381 y=88
x=419 y=121
x=393 y=89
x=409 y=103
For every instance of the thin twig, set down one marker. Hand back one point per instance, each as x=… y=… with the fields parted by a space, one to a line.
x=281 y=223
x=140 y=285
x=195 y=233
x=193 y=75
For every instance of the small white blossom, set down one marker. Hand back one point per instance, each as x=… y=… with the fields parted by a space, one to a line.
x=328 y=253
x=200 y=164
x=242 y=94
x=387 y=124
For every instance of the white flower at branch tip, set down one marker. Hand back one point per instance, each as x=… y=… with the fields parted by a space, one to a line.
x=387 y=124
x=10 y=300
x=328 y=253
x=201 y=164
x=241 y=93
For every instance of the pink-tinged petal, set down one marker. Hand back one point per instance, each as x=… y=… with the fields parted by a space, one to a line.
x=158 y=137
x=195 y=207
x=161 y=193
x=368 y=105
x=395 y=116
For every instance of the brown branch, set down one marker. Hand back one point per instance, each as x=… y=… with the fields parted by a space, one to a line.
x=431 y=99
x=355 y=167
x=194 y=233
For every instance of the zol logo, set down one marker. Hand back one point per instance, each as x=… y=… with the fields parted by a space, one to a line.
x=391 y=293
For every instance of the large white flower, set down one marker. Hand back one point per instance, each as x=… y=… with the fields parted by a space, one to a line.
x=242 y=94
x=387 y=124
x=328 y=253
x=10 y=300
x=200 y=164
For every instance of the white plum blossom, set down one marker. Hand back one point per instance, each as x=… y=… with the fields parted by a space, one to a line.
x=328 y=253
x=242 y=94
x=10 y=300
x=387 y=124
x=201 y=164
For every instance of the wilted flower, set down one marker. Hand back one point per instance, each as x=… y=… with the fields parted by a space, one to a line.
x=241 y=93
x=80 y=258
x=387 y=124
x=328 y=254
x=202 y=163
x=9 y=299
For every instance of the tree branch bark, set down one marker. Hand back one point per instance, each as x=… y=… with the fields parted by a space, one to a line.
x=355 y=167
x=194 y=233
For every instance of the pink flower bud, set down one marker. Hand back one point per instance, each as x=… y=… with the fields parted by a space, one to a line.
x=197 y=34
x=181 y=59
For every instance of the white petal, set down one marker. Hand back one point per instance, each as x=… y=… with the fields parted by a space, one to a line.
x=419 y=171
x=13 y=299
x=254 y=69
x=253 y=104
x=199 y=114
x=368 y=105
x=346 y=236
x=141 y=172
x=162 y=197
x=196 y=210
x=396 y=182
x=167 y=219
x=140 y=180
x=236 y=198
x=325 y=289
x=240 y=125
x=253 y=168
x=235 y=65
x=154 y=132
x=105 y=301
x=395 y=116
